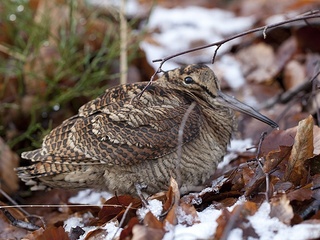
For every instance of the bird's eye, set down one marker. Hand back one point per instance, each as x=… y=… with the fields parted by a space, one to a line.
x=188 y=80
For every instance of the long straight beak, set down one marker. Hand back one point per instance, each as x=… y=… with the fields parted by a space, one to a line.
x=235 y=104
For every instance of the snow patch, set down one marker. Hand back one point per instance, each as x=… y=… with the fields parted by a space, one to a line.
x=89 y=196
x=154 y=206
x=236 y=146
x=180 y=29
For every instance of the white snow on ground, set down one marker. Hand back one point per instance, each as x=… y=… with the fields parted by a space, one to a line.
x=180 y=29
x=202 y=230
x=89 y=196
x=236 y=146
x=267 y=228
x=271 y=228
x=111 y=228
x=154 y=206
x=230 y=69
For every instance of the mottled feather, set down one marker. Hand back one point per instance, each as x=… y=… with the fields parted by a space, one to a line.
x=116 y=140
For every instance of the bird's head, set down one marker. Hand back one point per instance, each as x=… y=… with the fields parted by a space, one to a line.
x=201 y=81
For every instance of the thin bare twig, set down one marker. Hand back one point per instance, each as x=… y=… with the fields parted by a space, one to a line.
x=231 y=222
x=302 y=17
x=287 y=96
x=215 y=53
x=13 y=202
x=180 y=141
x=122 y=220
x=159 y=70
x=262 y=137
x=19 y=223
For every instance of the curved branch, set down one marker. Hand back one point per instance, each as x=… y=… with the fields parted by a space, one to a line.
x=303 y=17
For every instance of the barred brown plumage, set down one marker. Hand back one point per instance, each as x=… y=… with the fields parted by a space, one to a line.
x=115 y=142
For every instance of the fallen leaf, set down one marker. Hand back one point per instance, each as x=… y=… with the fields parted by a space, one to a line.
x=258 y=62
x=141 y=232
x=8 y=161
x=171 y=217
x=189 y=210
x=316 y=140
x=302 y=150
x=278 y=138
x=300 y=194
x=53 y=233
x=116 y=207
x=274 y=158
x=294 y=74
x=8 y=231
x=151 y=221
x=127 y=231
x=236 y=219
x=285 y=52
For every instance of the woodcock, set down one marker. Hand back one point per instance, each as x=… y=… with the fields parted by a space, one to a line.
x=117 y=141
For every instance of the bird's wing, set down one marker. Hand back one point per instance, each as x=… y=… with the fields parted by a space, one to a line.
x=116 y=130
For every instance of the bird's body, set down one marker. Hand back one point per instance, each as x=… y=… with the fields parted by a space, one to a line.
x=117 y=141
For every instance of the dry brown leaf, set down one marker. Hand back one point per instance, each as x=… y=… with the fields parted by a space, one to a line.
x=285 y=52
x=281 y=209
x=302 y=150
x=255 y=181
x=316 y=140
x=286 y=138
x=117 y=207
x=278 y=138
x=53 y=233
x=274 y=158
x=169 y=200
x=31 y=235
x=151 y=221
x=236 y=219
x=8 y=231
x=141 y=232
x=294 y=74
x=127 y=231
x=96 y=234
x=300 y=194
x=8 y=161
x=222 y=221
x=171 y=217
x=258 y=62
x=190 y=210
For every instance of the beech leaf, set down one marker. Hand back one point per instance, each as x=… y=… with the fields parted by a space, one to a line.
x=301 y=151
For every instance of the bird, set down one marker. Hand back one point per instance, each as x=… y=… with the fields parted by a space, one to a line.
x=129 y=136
